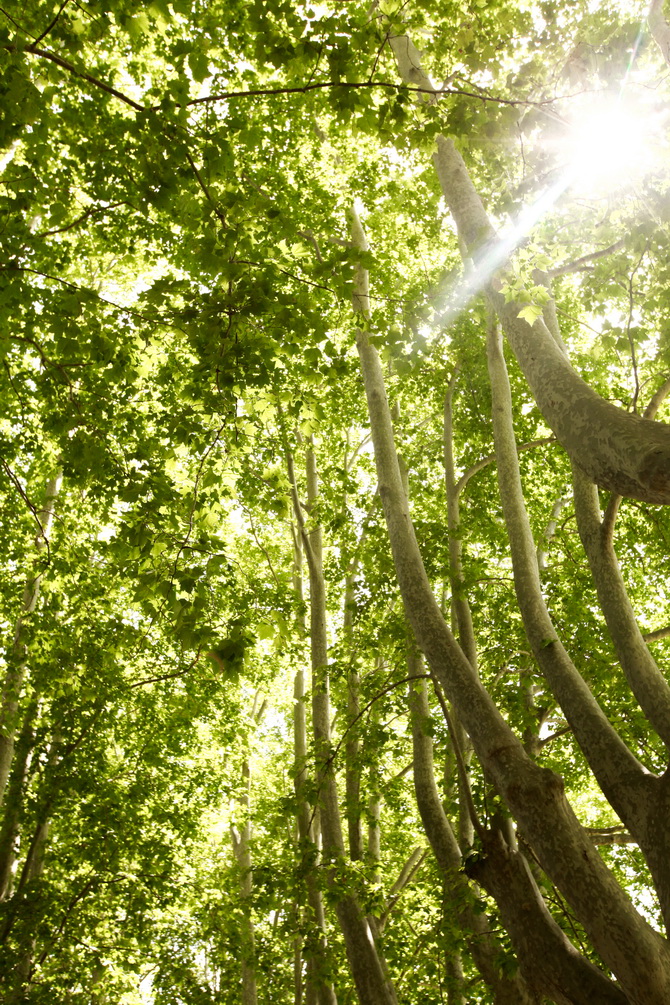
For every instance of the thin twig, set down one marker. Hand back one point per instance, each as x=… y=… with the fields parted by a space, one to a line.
x=272 y=91
x=581 y=263
x=52 y=23
x=91 y=293
x=33 y=509
x=82 y=74
x=91 y=211
x=490 y=459
x=208 y=195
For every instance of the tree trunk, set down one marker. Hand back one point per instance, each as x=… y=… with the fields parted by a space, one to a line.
x=618 y=450
x=32 y=870
x=318 y=990
x=458 y=899
x=352 y=747
x=14 y=803
x=372 y=986
x=241 y=837
x=13 y=682
x=628 y=945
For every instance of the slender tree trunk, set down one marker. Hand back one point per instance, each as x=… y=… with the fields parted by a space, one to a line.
x=318 y=990
x=374 y=808
x=458 y=899
x=460 y=608
x=13 y=682
x=352 y=747
x=644 y=678
x=372 y=986
x=32 y=870
x=241 y=838
x=9 y=833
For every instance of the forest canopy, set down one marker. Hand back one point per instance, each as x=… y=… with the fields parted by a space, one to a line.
x=335 y=481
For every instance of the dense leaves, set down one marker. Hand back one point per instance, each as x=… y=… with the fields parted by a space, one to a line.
x=175 y=325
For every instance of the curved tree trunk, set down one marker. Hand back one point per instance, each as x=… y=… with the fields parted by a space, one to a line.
x=628 y=945
x=618 y=450
x=485 y=951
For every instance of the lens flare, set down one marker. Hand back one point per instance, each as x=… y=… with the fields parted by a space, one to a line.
x=611 y=144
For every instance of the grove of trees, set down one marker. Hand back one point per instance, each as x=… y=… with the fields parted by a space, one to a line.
x=334 y=522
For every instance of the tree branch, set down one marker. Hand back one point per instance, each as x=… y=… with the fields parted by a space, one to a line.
x=581 y=263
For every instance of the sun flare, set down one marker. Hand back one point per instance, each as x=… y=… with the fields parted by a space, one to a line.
x=610 y=145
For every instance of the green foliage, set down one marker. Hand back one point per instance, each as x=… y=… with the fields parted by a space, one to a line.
x=175 y=318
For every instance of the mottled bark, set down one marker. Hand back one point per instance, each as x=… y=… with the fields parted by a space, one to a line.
x=618 y=450
x=549 y=963
x=617 y=770
x=644 y=678
x=659 y=28
x=482 y=944
x=628 y=945
x=639 y=798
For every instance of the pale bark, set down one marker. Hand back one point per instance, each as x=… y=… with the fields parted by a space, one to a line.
x=9 y=833
x=566 y=964
x=318 y=989
x=352 y=747
x=408 y=59
x=372 y=985
x=617 y=770
x=32 y=870
x=644 y=677
x=659 y=28
x=612 y=509
x=353 y=744
x=482 y=944
x=542 y=551
x=460 y=607
x=639 y=798
x=549 y=963
x=459 y=600
x=618 y=450
x=628 y=945
x=13 y=682
x=411 y=866
x=241 y=839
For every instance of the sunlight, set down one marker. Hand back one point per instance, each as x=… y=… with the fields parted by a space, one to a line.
x=610 y=145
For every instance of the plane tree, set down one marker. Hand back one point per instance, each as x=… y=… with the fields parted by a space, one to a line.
x=208 y=506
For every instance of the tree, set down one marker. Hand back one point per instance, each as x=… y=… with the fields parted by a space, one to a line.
x=194 y=199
